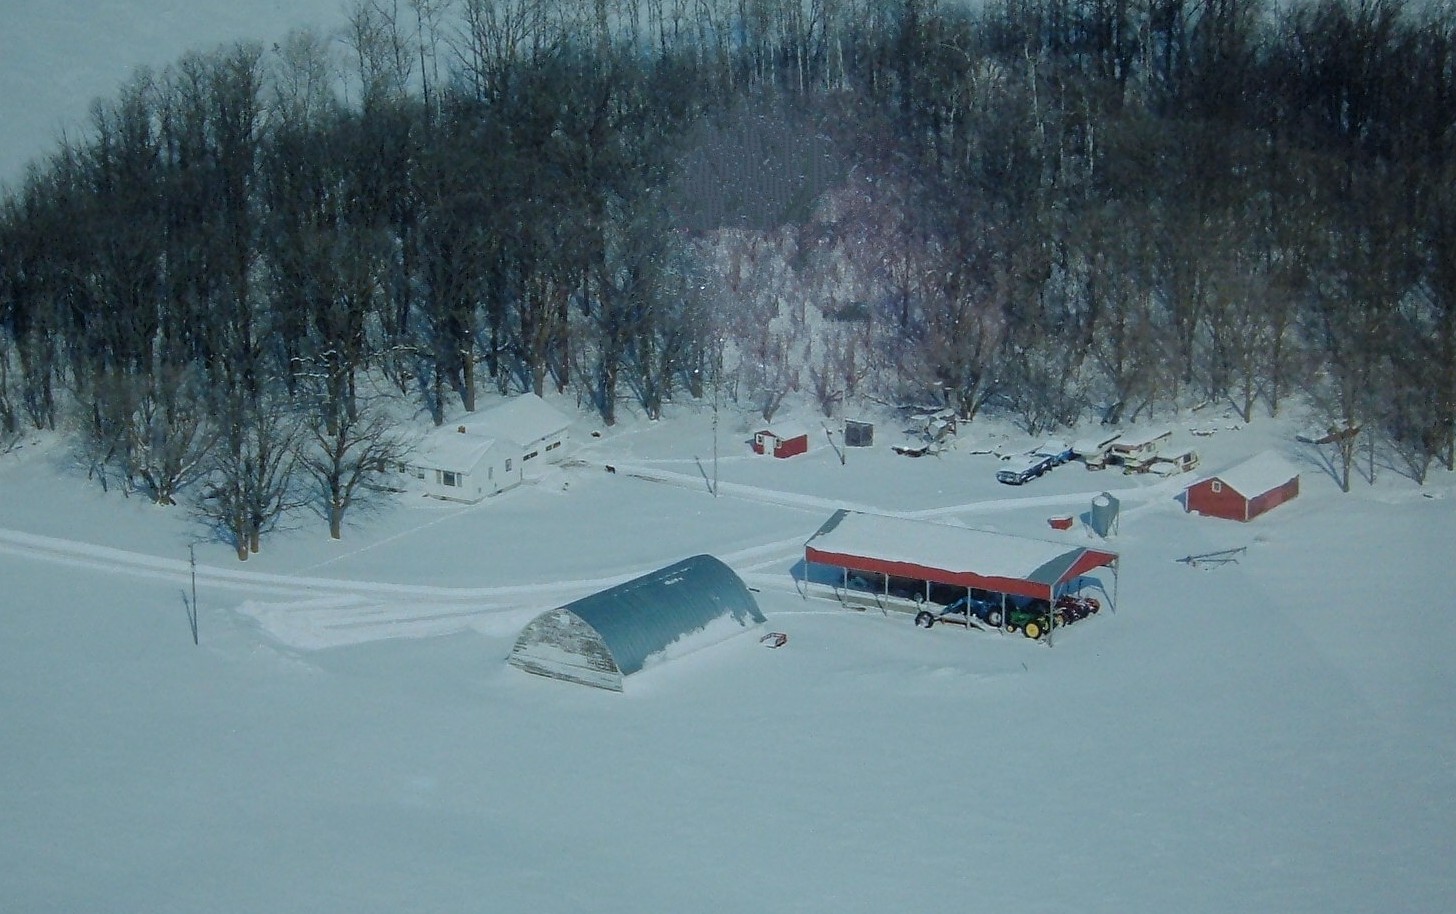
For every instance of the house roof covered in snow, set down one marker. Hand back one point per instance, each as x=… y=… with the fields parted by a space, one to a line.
x=525 y=419
x=1264 y=471
x=451 y=449
x=954 y=555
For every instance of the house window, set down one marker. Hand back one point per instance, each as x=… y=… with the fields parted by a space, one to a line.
x=1216 y=486
x=451 y=478
x=553 y=445
x=528 y=456
x=508 y=464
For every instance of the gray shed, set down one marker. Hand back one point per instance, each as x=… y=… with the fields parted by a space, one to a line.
x=601 y=638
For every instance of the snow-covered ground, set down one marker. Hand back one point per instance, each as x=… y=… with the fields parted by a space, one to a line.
x=1271 y=735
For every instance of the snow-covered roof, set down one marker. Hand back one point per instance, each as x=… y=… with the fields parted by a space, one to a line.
x=1264 y=471
x=1139 y=439
x=449 y=448
x=1053 y=446
x=955 y=554
x=689 y=604
x=785 y=430
x=525 y=419
x=1095 y=444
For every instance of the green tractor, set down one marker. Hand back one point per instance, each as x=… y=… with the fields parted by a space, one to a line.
x=1029 y=616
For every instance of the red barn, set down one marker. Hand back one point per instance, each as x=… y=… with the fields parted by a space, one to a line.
x=780 y=443
x=1246 y=490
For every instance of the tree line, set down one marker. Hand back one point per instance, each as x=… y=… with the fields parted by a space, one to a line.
x=1042 y=207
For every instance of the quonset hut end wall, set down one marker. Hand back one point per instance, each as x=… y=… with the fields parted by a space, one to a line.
x=602 y=638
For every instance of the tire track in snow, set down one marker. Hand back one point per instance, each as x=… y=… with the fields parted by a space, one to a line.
x=316 y=612
x=817 y=503
x=312 y=612
x=110 y=559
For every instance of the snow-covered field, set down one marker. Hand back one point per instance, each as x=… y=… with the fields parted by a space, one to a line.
x=1271 y=735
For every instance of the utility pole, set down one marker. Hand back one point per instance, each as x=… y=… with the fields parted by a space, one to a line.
x=715 y=439
x=192 y=608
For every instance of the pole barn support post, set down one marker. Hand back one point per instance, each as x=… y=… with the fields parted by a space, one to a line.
x=1051 y=612
x=1116 y=576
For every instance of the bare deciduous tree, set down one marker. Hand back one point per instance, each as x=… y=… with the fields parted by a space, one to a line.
x=253 y=479
x=350 y=460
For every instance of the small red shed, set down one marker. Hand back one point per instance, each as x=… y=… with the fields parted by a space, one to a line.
x=780 y=443
x=1245 y=490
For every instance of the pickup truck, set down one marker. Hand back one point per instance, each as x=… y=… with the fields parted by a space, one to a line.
x=1034 y=466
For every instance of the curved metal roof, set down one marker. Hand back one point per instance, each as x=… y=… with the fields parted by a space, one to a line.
x=635 y=620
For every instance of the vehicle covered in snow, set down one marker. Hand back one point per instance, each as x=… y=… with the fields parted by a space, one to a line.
x=1027 y=470
x=1093 y=450
x=1058 y=451
x=1137 y=450
x=1175 y=463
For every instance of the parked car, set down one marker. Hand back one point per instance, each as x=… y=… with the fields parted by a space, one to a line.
x=1023 y=473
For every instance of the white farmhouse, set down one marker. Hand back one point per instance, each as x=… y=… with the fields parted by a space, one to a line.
x=491 y=453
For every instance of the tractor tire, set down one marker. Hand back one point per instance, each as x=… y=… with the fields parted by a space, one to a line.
x=924 y=619
x=1032 y=630
x=993 y=618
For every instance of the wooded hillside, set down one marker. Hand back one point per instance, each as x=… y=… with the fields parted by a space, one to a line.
x=1046 y=208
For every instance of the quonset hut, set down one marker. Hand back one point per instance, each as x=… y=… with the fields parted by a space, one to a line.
x=600 y=639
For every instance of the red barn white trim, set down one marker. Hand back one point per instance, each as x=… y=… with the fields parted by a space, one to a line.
x=780 y=443
x=1246 y=490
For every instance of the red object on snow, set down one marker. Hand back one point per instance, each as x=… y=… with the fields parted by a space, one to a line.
x=1060 y=522
x=785 y=444
x=1245 y=491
